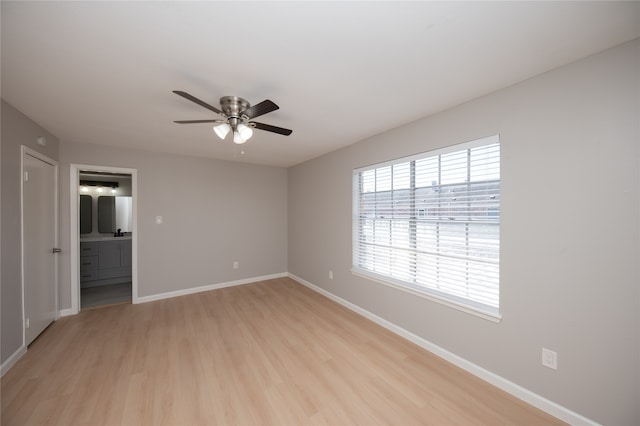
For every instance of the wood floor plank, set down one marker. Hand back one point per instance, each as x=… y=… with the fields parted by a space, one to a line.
x=266 y=353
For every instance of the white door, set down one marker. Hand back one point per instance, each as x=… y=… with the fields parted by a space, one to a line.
x=39 y=240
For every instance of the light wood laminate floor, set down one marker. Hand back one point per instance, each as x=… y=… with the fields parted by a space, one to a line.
x=272 y=352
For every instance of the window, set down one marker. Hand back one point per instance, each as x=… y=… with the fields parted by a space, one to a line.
x=430 y=224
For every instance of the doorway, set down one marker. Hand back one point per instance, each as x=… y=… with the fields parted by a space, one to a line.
x=39 y=242
x=103 y=238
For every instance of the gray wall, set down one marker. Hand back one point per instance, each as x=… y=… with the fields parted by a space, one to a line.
x=569 y=233
x=214 y=213
x=17 y=130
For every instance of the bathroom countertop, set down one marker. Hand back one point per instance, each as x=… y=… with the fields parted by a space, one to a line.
x=87 y=239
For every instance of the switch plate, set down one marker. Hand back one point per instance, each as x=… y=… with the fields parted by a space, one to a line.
x=235 y=265
x=549 y=359
x=330 y=274
x=158 y=220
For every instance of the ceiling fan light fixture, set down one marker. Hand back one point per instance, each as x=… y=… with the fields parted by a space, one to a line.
x=245 y=131
x=222 y=130
x=237 y=138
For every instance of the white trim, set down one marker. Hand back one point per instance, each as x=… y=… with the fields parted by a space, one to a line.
x=22 y=153
x=193 y=290
x=488 y=140
x=508 y=386
x=134 y=236
x=74 y=249
x=74 y=183
x=10 y=362
x=25 y=150
x=66 y=312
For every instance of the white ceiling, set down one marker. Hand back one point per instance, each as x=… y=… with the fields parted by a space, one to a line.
x=102 y=73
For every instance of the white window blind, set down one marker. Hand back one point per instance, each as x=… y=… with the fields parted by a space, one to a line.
x=430 y=223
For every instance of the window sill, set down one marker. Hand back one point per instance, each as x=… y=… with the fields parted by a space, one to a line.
x=486 y=314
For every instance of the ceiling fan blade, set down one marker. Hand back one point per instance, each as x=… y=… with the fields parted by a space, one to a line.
x=270 y=128
x=260 y=109
x=197 y=101
x=198 y=121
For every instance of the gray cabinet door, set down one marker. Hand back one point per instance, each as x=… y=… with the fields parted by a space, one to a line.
x=89 y=263
x=110 y=254
x=90 y=248
x=126 y=252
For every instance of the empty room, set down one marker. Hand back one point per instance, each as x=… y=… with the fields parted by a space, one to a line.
x=328 y=213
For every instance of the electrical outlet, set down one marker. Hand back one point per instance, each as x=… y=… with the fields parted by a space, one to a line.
x=549 y=359
x=330 y=274
x=235 y=265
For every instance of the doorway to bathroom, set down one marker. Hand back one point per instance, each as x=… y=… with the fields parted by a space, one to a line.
x=104 y=240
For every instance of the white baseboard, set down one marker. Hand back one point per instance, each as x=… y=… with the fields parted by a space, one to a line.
x=193 y=290
x=66 y=312
x=518 y=391
x=13 y=359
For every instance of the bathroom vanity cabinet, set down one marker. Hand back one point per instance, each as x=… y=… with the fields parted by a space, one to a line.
x=105 y=261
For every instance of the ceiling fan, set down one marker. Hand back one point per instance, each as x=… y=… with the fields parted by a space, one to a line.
x=236 y=113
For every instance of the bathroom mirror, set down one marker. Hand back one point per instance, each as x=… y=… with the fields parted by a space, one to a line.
x=86 y=213
x=106 y=214
x=124 y=214
x=114 y=213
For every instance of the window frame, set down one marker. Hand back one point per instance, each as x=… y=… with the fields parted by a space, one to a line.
x=445 y=298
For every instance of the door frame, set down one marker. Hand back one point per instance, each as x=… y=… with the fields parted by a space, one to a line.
x=74 y=219
x=25 y=150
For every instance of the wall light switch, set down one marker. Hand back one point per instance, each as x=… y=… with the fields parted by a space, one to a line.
x=158 y=220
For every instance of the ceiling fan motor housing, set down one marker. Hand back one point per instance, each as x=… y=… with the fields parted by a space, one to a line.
x=233 y=106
